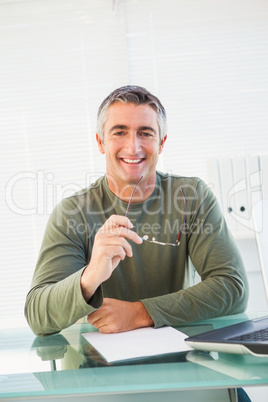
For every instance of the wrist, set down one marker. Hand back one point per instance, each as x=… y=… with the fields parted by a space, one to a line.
x=87 y=284
x=144 y=318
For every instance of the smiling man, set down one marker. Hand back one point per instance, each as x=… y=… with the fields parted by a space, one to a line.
x=131 y=143
x=118 y=251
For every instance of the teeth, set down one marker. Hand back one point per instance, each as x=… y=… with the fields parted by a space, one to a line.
x=132 y=160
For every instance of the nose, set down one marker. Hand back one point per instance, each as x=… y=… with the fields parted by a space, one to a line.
x=133 y=143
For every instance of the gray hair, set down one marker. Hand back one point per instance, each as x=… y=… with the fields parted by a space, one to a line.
x=138 y=96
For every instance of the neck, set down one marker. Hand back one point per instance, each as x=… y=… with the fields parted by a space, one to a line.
x=138 y=191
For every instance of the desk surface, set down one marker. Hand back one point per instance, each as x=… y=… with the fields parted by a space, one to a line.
x=64 y=364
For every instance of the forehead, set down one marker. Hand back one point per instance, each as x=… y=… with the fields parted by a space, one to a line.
x=130 y=114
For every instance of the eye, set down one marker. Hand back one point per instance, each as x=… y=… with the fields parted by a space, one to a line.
x=145 y=134
x=119 y=133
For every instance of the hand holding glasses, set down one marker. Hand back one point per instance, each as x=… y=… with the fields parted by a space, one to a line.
x=146 y=238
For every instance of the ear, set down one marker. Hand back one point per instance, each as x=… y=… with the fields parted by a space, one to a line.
x=100 y=144
x=161 y=146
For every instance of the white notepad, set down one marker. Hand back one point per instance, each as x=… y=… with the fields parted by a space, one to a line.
x=143 y=342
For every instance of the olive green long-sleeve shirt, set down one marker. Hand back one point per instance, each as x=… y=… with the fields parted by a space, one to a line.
x=157 y=275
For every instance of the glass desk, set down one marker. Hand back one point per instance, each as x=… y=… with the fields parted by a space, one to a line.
x=64 y=366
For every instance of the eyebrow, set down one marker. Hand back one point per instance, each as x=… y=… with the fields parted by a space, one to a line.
x=123 y=127
x=147 y=128
x=118 y=127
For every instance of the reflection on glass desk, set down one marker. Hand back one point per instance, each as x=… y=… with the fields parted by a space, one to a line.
x=66 y=364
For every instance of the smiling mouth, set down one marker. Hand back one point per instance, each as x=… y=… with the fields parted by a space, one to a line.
x=132 y=161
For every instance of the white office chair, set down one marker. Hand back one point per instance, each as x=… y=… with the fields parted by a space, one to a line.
x=260 y=216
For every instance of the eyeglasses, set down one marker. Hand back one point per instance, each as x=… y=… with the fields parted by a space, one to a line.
x=146 y=238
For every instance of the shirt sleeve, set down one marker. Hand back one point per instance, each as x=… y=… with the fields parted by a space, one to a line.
x=223 y=289
x=55 y=300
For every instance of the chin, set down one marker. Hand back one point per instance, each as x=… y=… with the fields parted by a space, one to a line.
x=134 y=178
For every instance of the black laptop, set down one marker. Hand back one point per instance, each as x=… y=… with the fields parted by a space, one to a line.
x=251 y=336
x=246 y=337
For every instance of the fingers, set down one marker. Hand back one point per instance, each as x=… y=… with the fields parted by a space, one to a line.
x=101 y=325
x=111 y=245
x=119 y=220
x=115 y=244
x=119 y=226
x=93 y=320
x=116 y=221
x=97 y=320
x=119 y=316
x=105 y=318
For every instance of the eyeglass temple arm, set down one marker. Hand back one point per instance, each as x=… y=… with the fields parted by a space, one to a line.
x=184 y=217
x=129 y=202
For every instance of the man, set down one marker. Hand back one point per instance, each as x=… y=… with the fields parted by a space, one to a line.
x=118 y=251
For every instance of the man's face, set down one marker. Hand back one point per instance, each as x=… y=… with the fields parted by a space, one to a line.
x=131 y=146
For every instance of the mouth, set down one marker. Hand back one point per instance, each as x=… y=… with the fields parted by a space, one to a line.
x=132 y=161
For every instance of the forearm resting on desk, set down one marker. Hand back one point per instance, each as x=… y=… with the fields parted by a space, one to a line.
x=119 y=316
x=50 y=308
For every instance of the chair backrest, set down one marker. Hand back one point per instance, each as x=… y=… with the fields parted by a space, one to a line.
x=241 y=186
x=260 y=215
x=238 y=184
